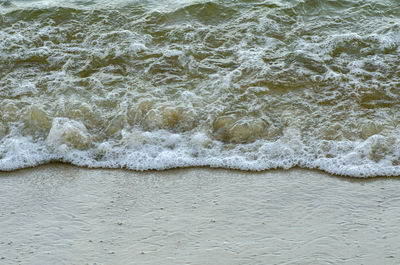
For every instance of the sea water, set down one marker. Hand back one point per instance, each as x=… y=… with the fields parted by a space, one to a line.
x=243 y=84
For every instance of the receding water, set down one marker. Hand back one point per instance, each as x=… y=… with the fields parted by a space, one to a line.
x=242 y=84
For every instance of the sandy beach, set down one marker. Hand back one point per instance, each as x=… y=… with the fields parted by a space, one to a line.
x=61 y=214
x=194 y=104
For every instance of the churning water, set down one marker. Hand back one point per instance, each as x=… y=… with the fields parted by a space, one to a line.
x=240 y=84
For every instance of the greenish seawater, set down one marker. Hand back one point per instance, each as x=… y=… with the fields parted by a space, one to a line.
x=242 y=84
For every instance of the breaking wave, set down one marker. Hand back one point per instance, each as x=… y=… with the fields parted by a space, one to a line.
x=248 y=85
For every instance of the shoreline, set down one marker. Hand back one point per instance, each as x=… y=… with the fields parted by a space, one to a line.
x=314 y=170
x=63 y=214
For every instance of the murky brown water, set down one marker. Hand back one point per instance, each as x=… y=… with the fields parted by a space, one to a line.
x=235 y=84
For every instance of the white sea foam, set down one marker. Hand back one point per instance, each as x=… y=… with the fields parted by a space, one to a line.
x=151 y=85
x=162 y=150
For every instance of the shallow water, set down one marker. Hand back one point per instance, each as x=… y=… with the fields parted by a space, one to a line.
x=60 y=214
x=236 y=84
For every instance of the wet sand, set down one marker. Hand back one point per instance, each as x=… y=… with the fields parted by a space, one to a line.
x=61 y=214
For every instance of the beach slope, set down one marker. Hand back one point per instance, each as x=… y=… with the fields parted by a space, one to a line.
x=61 y=214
